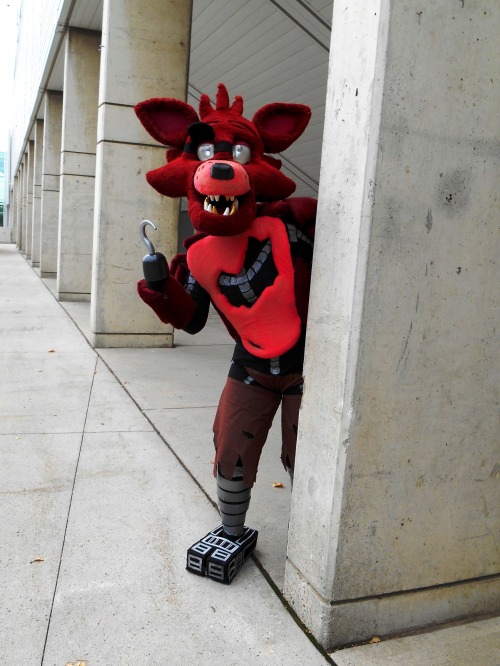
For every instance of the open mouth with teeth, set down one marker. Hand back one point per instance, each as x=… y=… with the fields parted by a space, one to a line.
x=218 y=204
x=221 y=214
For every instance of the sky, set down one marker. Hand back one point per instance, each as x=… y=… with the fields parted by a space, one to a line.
x=8 y=37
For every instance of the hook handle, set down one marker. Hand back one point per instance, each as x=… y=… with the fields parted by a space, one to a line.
x=154 y=264
x=149 y=245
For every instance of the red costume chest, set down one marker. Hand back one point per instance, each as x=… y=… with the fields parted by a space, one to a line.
x=271 y=326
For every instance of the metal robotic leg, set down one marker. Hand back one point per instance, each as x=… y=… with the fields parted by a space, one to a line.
x=234 y=500
x=222 y=552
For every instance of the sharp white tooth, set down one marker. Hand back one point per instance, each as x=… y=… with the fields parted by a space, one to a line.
x=206 y=204
x=211 y=197
x=217 y=197
x=208 y=208
x=226 y=212
x=231 y=198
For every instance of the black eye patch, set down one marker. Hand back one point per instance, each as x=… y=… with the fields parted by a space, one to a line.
x=201 y=133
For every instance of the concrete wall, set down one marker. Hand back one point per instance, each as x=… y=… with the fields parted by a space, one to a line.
x=396 y=502
x=40 y=28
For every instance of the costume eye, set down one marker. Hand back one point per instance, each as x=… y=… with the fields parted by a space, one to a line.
x=205 y=151
x=241 y=153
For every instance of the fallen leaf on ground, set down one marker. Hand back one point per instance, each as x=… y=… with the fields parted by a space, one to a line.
x=37 y=559
x=76 y=663
x=51 y=351
x=375 y=639
x=278 y=485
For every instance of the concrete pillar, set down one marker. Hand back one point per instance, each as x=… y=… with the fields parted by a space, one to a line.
x=145 y=54
x=24 y=195
x=78 y=145
x=37 y=193
x=396 y=500
x=14 y=209
x=51 y=172
x=29 y=199
x=19 y=207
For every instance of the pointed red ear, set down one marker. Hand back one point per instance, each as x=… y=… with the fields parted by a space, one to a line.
x=166 y=119
x=280 y=124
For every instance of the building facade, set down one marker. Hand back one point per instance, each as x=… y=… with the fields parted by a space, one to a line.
x=395 y=510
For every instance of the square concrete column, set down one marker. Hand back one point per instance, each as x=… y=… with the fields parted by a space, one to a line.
x=19 y=207
x=78 y=146
x=28 y=220
x=25 y=199
x=51 y=172
x=14 y=199
x=145 y=54
x=37 y=193
x=396 y=501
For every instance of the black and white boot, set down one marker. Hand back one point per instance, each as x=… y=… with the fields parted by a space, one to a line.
x=222 y=552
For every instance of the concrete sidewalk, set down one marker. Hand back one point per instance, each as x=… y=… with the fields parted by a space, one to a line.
x=106 y=479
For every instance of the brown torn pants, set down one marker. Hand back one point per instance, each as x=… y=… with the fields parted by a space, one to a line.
x=244 y=417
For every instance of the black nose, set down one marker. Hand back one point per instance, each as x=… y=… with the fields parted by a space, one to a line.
x=221 y=171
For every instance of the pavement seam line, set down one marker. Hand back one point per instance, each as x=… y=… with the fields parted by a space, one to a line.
x=83 y=433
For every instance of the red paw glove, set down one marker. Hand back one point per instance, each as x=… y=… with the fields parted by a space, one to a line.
x=172 y=305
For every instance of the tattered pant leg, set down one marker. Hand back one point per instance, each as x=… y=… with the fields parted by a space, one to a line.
x=244 y=417
x=290 y=407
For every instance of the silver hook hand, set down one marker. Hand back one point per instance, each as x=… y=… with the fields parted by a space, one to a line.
x=149 y=245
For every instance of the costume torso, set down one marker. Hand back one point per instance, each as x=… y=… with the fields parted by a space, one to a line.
x=250 y=279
